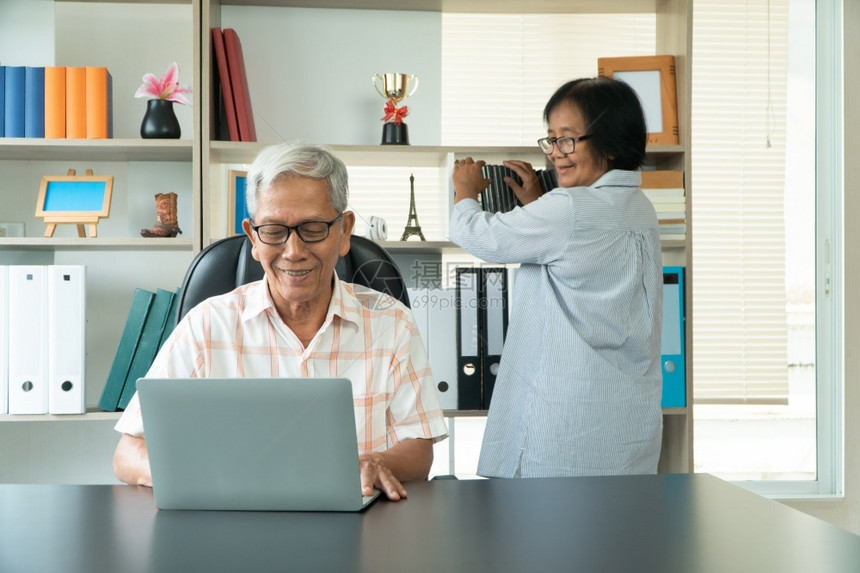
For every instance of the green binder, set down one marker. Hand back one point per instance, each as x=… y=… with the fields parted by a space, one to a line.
x=140 y=303
x=148 y=344
x=170 y=322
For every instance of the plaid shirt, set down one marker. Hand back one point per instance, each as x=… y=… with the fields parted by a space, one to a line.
x=367 y=337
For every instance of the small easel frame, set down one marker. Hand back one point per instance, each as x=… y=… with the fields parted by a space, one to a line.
x=74 y=199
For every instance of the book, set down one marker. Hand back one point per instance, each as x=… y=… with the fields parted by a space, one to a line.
x=98 y=102
x=170 y=322
x=34 y=102
x=2 y=102
x=148 y=345
x=239 y=83
x=55 y=102
x=13 y=109
x=115 y=383
x=76 y=103
x=223 y=87
x=662 y=179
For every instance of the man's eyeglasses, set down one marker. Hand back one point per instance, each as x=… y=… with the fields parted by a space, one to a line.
x=564 y=144
x=309 y=232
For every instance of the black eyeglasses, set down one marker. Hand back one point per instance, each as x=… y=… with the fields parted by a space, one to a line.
x=565 y=144
x=309 y=231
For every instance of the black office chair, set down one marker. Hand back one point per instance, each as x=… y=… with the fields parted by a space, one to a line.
x=227 y=264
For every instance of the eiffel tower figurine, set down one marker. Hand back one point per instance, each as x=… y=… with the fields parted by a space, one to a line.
x=412 y=225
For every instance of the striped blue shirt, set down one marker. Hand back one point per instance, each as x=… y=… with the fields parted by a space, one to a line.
x=579 y=385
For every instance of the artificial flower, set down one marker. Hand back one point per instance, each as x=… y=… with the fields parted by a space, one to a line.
x=166 y=87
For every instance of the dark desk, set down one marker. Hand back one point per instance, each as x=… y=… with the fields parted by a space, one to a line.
x=666 y=523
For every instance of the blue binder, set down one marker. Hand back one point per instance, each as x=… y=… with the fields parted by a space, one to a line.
x=673 y=357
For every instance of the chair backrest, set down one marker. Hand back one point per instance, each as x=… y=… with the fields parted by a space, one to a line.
x=227 y=264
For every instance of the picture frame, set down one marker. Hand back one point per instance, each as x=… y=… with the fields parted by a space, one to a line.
x=74 y=199
x=653 y=80
x=237 y=209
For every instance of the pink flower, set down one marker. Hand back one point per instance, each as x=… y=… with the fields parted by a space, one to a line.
x=166 y=87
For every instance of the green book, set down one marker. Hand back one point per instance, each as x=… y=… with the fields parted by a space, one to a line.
x=148 y=345
x=170 y=322
x=140 y=303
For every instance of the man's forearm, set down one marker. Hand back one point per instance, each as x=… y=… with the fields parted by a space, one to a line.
x=410 y=460
x=131 y=461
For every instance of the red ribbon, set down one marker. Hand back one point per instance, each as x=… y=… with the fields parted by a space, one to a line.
x=394 y=113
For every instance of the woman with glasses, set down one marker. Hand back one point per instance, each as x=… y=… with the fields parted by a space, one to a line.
x=578 y=390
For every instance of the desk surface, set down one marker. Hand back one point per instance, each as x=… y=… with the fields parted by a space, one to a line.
x=665 y=523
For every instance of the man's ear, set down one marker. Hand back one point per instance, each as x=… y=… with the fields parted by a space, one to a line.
x=246 y=226
x=348 y=222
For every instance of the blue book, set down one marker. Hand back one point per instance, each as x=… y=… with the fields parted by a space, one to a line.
x=34 y=102
x=13 y=108
x=2 y=101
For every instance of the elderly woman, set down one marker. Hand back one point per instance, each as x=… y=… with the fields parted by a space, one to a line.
x=579 y=386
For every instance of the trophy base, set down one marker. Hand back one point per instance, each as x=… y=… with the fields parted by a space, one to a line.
x=395 y=134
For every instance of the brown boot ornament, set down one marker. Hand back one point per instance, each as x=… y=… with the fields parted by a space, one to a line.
x=165 y=217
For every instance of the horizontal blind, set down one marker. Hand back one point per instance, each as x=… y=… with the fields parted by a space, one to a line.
x=499 y=70
x=740 y=334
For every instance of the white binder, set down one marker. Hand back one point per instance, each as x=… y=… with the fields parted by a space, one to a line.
x=28 y=341
x=66 y=339
x=4 y=340
x=442 y=323
x=436 y=318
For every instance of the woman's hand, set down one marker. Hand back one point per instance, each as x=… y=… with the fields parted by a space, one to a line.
x=468 y=180
x=530 y=189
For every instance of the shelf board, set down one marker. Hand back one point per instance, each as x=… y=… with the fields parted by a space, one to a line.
x=431 y=247
x=469 y=6
x=402 y=155
x=96 y=149
x=97 y=243
x=92 y=415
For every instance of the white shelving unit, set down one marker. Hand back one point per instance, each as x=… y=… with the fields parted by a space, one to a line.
x=119 y=260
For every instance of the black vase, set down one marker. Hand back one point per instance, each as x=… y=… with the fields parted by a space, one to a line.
x=159 y=121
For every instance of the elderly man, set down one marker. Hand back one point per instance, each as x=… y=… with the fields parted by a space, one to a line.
x=301 y=320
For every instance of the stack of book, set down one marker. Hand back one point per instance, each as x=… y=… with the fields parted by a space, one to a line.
x=665 y=189
x=235 y=119
x=150 y=321
x=56 y=102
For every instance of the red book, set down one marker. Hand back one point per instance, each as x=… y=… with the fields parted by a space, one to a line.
x=220 y=57
x=239 y=82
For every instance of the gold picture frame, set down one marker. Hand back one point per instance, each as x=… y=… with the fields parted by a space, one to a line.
x=653 y=79
x=74 y=199
x=237 y=210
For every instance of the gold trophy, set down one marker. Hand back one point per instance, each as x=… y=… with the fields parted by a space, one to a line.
x=395 y=88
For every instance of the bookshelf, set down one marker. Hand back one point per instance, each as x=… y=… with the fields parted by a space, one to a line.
x=119 y=260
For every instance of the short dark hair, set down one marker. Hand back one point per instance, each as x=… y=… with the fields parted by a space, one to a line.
x=614 y=118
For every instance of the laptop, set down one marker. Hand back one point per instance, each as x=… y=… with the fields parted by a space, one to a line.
x=268 y=444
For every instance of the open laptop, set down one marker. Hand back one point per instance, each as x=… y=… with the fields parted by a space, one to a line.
x=272 y=444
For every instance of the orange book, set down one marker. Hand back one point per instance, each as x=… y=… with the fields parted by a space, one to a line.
x=55 y=102
x=98 y=100
x=76 y=103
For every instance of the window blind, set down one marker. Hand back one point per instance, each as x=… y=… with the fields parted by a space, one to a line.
x=740 y=330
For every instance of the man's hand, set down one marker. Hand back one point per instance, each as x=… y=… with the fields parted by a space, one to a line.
x=374 y=472
x=409 y=460
x=131 y=461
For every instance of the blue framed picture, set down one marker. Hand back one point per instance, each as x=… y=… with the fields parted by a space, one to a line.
x=237 y=208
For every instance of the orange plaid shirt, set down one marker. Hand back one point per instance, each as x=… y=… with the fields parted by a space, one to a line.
x=367 y=337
